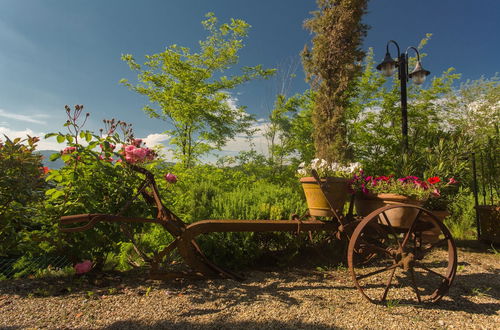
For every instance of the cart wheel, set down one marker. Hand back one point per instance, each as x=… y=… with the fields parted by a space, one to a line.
x=402 y=264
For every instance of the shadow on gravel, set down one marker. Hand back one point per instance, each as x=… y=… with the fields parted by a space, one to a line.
x=465 y=287
x=220 y=324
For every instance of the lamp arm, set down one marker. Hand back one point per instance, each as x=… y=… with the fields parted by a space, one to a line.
x=416 y=51
x=395 y=43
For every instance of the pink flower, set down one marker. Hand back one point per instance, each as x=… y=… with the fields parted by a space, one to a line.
x=452 y=181
x=364 y=189
x=129 y=148
x=137 y=142
x=421 y=184
x=83 y=267
x=68 y=150
x=134 y=154
x=140 y=153
x=170 y=178
x=436 y=193
x=111 y=146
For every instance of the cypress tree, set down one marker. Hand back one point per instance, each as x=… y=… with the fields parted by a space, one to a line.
x=332 y=66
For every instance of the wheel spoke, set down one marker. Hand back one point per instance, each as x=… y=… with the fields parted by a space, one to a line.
x=415 y=287
x=388 y=284
x=419 y=265
x=408 y=234
x=378 y=248
x=377 y=272
x=391 y=228
x=433 y=245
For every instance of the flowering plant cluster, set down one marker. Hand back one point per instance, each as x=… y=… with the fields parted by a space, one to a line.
x=409 y=186
x=135 y=153
x=326 y=169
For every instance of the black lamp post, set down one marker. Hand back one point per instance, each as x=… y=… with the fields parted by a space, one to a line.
x=388 y=66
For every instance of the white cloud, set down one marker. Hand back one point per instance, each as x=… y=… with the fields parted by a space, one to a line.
x=241 y=143
x=43 y=144
x=232 y=102
x=154 y=139
x=27 y=118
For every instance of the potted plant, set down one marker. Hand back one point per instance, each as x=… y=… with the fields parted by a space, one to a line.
x=334 y=178
x=375 y=192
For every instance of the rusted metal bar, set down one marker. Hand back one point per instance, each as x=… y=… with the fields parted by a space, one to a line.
x=209 y=226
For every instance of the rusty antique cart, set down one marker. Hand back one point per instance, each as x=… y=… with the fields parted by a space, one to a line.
x=386 y=262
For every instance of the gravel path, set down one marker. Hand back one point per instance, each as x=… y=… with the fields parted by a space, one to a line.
x=291 y=299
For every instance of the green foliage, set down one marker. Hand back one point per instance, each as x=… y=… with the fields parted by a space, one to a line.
x=375 y=131
x=209 y=192
x=473 y=110
x=90 y=182
x=290 y=132
x=461 y=221
x=21 y=191
x=187 y=90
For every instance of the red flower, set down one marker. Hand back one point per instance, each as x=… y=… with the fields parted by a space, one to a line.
x=434 y=180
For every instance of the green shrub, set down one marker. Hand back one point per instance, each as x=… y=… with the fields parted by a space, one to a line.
x=461 y=221
x=21 y=190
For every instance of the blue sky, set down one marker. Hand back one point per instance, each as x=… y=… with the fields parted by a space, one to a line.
x=57 y=52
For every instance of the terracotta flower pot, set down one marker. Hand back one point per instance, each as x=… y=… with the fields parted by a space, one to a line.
x=336 y=192
x=398 y=217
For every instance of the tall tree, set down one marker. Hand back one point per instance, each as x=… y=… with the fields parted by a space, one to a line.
x=189 y=90
x=332 y=66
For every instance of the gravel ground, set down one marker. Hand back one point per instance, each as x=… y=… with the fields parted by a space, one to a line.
x=292 y=299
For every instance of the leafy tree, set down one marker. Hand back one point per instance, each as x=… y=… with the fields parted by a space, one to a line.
x=187 y=89
x=474 y=109
x=290 y=130
x=21 y=189
x=333 y=65
x=374 y=129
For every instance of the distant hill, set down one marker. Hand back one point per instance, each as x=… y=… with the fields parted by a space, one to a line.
x=57 y=164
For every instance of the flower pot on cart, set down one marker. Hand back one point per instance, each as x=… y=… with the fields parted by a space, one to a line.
x=398 y=217
x=335 y=190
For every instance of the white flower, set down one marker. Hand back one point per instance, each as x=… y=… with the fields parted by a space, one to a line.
x=315 y=163
x=302 y=172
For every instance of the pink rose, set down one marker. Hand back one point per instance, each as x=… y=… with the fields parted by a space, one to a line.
x=68 y=150
x=137 y=142
x=140 y=153
x=83 y=267
x=129 y=148
x=170 y=178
